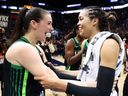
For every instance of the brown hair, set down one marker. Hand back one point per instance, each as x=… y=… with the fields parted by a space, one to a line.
x=23 y=21
x=105 y=20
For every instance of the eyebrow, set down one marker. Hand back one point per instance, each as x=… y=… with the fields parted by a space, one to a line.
x=50 y=22
x=80 y=17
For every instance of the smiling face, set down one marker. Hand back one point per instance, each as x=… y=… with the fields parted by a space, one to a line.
x=44 y=26
x=92 y=20
x=37 y=23
x=84 y=24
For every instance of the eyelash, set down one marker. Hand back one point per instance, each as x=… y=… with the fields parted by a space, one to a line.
x=49 y=23
x=81 y=19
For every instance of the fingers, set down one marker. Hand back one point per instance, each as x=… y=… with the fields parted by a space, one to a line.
x=42 y=81
x=44 y=85
x=38 y=78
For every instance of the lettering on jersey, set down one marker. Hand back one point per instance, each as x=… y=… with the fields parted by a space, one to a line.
x=86 y=69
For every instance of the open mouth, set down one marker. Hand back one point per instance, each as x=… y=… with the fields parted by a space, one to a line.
x=80 y=28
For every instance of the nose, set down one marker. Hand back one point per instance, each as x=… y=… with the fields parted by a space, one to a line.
x=78 y=24
x=51 y=28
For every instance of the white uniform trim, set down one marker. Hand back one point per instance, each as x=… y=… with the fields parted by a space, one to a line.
x=42 y=53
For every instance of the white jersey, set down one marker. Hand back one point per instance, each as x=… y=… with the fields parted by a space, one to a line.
x=90 y=63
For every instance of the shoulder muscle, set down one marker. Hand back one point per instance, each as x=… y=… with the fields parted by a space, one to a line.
x=109 y=53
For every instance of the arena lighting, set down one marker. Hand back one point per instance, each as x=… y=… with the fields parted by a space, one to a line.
x=103 y=8
x=3 y=0
x=121 y=6
x=20 y=8
x=71 y=11
x=28 y=6
x=107 y=8
x=41 y=4
x=113 y=0
x=73 y=5
x=3 y=6
x=12 y=7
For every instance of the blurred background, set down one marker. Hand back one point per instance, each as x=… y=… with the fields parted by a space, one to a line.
x=64 y=13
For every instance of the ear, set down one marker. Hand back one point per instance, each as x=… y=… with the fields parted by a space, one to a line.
x=33 y=24
x=95 y=21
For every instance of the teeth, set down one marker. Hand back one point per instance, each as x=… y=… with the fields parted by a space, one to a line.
x=80 y=28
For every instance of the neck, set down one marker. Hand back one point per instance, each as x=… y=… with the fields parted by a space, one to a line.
x=93 y=34
x=30 y=38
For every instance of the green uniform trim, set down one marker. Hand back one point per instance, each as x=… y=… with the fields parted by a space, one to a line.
x=16 y=66
x=24 y=83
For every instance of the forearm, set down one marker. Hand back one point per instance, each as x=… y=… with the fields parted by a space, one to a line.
x=75 y=87
x=61 y=75
x=81 y=90
x=68 y=72
x=83 y=84
x=64 y=83
x=72 y=60
x=61 y=85
x=104 y=88
x=72 y=73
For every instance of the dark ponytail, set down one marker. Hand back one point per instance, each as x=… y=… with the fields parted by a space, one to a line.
x=112 y=20
x=18 y=28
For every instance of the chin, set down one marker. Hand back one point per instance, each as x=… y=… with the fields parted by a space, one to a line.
x=82 y=34
x=42 y=39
